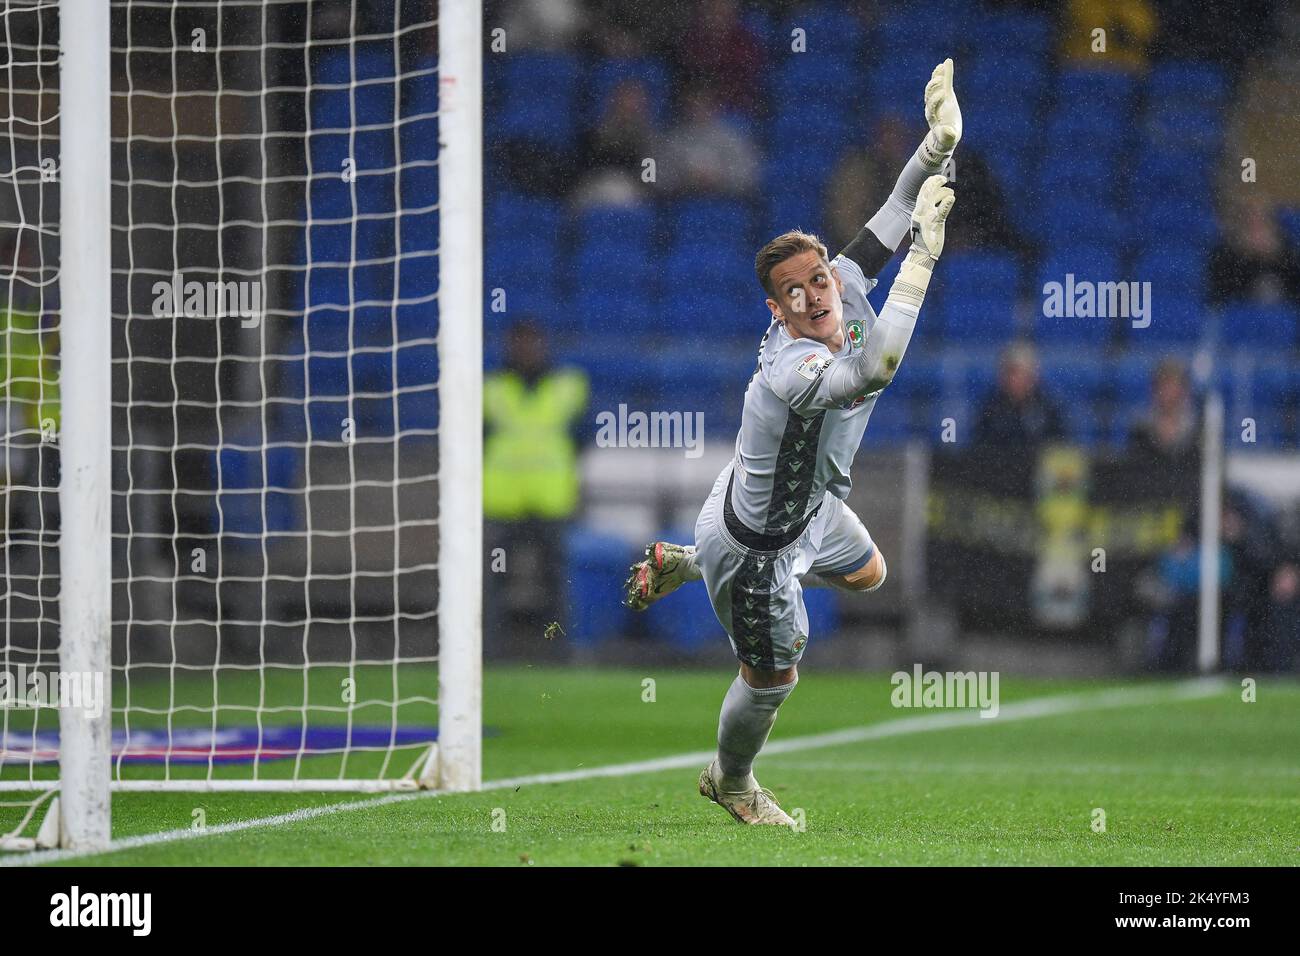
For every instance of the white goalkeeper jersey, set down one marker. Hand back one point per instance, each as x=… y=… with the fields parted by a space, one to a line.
x=795 y=441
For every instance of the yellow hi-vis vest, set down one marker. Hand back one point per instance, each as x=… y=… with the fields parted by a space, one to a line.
x=530 y=465
x=29 y=378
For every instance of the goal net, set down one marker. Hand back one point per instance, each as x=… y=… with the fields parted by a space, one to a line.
x=289 y=474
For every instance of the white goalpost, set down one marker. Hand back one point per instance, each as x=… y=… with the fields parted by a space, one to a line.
x=268 y=222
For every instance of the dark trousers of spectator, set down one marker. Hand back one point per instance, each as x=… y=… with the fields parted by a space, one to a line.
x=1171 y=638
x=1275 y=644
x=525 y=585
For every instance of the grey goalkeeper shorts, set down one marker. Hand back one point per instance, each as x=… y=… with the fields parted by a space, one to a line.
x=756 y=594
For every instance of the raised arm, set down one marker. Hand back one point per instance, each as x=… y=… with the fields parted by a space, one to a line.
x=873 y=367
x=876 y=242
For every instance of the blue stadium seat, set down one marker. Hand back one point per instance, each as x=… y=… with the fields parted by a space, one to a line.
x=1198 y=82
x=1072 y=130
x=614 y=374
x=1033 y=32
x=1096 y=262
x=898 y=74
x=512 y=215
x=1290 y=222
x=244 y=473
x=1268 y=394
x=978 y=297
x=1092 y=171
x=1097 y=90
x=599 y=307
x=1189 y=217
x=1077 y=387
x=683 y=382
x=930 y=38
x=830 y=28
x=1174 y=319
x=794 y=75
x=893 y=418
x=539 y=97
x=597 y=565
x=1164 y=171
x=712 y=222
x=798 y=206
x=691 y=270
x=627 y=230
x=1263 y=326
x=686 y=622
x=1198 y=132
x=1070 y=219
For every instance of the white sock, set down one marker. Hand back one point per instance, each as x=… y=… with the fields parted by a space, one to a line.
x=748 y=714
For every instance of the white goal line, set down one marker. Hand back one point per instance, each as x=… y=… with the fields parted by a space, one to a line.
x=1052 y=706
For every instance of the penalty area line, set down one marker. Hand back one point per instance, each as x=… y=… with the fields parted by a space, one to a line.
x=1034 y=708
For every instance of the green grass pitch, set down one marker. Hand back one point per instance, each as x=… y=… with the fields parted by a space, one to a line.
x=1206 y=781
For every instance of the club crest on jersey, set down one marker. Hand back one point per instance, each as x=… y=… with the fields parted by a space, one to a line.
x=812 y=365
x=855 y=333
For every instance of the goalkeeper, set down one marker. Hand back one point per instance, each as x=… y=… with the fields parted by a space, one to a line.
x=776 y=521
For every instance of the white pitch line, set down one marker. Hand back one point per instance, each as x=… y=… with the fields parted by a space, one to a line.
x=1023 y=710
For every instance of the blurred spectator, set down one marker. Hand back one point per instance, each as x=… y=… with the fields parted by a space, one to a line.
x=982 y=223
x=1226 y=33
x=1130 y=26
x=614 y=149
x=530 y=481
x=30 y=393
x=864 y=175
x=720 y=51
x=1258 y=586
x=1019 y=413
x=630 y=28
x=706 y=154
x=1171 y=591
x=540 y=24
x=1254 y=263
x=1168 y=436
x=1276 y=646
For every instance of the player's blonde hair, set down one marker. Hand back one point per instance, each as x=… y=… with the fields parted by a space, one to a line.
x=781 y=248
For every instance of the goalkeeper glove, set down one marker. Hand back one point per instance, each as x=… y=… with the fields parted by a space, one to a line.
x=943 y=114
x=928 y=219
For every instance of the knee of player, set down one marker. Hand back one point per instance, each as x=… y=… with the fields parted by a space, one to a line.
x=870 y=576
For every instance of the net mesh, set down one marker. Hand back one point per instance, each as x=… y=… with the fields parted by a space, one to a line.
x=274 y=374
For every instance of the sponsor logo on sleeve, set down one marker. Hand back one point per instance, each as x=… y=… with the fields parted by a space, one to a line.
x=811 y=366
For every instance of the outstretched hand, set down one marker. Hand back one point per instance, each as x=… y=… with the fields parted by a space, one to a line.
x=931 y=213
x=942 y=111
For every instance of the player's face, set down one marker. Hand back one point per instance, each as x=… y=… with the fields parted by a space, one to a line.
x=808 y=299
